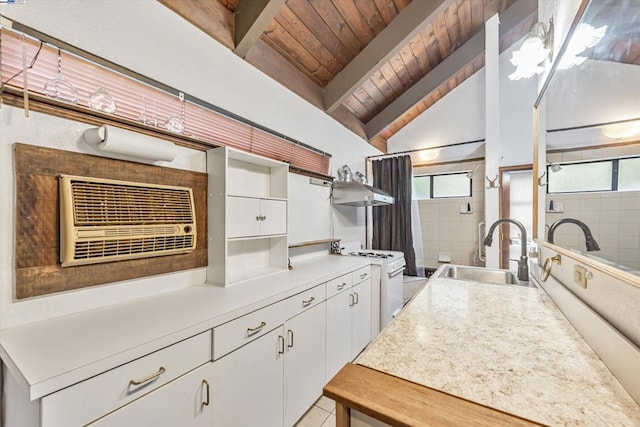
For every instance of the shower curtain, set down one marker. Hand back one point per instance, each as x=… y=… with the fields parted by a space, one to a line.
x=392 y=223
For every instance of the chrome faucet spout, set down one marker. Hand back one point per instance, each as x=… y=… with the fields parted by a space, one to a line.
x=523 y=263
x=590 y=242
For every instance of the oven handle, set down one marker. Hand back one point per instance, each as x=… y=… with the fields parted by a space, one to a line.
x=397 y=271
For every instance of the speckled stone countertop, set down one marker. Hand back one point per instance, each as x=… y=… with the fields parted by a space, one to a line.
x=507 y=347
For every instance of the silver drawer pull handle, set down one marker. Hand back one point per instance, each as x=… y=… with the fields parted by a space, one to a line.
x=206 y=384
x=253 y=331
x=362 y=276
x=149 y=378
x=351 y=300
x=290 y=336
x=356 y=297
x=308 y=302
x=280 y=344
x=341 y=286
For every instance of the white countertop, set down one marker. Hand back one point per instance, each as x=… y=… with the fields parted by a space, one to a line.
x=49 y=355
x=507 y=347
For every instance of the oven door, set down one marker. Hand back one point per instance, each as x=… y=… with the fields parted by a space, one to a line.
x=391 y=295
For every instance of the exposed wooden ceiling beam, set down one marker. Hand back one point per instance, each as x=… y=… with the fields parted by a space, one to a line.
x=409 y=22
x=266 y=59
x=210 y=17
x=514 y=15
x=274 y=65
x=252 y=18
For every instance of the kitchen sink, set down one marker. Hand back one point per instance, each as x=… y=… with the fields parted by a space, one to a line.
x=485 y=275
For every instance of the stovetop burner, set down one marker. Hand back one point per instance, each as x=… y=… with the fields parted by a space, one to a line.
x=371 y=254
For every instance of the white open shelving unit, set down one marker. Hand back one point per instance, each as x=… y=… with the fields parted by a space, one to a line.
x=247 y=208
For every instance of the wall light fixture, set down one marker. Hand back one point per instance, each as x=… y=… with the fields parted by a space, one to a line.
x=535 y=50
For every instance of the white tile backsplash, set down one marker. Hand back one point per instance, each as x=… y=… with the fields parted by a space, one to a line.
x=444 y=228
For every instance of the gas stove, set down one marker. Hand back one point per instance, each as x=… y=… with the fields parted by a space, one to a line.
x=371 y=254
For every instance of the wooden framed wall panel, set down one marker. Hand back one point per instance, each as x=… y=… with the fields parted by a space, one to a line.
x=37 y=242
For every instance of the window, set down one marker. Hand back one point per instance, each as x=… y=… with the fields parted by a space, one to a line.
x=629 y=174
x=65 y=82
x=441 y=186
x=600 y=175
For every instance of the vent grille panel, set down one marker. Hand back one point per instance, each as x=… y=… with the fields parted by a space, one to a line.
x=115 y=204
x=108 y=248
x=105 y=220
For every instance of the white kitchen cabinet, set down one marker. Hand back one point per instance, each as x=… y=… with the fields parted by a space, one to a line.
x=361 y=317
x=184 y=402
x=91 y=399
x=304 y=362
x=247 y=384
x=251 y=217
x=348 y=325
x=338 y=332
x=247 y=216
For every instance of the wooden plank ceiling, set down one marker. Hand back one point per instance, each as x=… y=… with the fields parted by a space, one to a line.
x=374 y=65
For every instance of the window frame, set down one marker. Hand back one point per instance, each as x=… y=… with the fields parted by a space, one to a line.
x=614 y=182
x=431 y=185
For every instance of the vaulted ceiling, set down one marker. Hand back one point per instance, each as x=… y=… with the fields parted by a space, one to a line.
x=373 y=65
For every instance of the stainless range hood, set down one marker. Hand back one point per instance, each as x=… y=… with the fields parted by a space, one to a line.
x=354 y=193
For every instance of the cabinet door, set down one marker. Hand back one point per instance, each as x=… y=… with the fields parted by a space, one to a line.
x=274 y=214
x=243 y=217
x=248 y=384
x=184 y=402
x=304 y=362
x=338 y=333
x=361 y=317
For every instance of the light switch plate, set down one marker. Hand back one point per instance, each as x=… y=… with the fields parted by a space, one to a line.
x=580 y=276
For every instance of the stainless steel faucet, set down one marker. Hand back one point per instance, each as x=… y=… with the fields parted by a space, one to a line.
x=523 y=265
x=591 y=243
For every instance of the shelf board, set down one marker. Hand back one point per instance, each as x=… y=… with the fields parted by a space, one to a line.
x=249 y=196
x=269 y=236
x=313 y=242
x=244 y=275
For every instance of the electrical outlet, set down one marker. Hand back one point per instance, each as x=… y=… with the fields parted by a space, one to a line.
x=580 y=276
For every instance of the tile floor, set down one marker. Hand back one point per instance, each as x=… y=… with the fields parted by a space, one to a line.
x=321 y=414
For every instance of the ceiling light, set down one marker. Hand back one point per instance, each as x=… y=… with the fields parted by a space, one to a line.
x=584 y=37
x=535 y=50
x=622 y=130
x=429 y=154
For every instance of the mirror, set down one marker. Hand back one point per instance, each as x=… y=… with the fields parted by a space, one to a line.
x=590 y=126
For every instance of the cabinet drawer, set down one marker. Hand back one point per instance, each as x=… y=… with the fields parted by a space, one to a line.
x=238 y=332
x=97 y=396
x=361 y=274
x=305 y=300
x=339 y=284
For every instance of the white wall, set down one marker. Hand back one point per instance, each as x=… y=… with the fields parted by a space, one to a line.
x=442 y=123
x=148 y=38
x=460 y=117
x=55 y=132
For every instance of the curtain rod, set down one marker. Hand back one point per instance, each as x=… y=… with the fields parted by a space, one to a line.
x=17 y=26
x=424 y=149
x=593 y=125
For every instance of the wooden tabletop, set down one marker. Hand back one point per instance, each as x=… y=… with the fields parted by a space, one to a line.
x=399 y=402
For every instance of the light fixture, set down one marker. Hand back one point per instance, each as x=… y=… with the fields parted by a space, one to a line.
x=429 y=154
x=554 y=168
x=471 y=172
x=585 y=36
x=622 y=130
x=535 y=50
